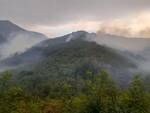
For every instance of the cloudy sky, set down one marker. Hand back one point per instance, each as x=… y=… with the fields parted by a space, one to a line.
x=58 y=17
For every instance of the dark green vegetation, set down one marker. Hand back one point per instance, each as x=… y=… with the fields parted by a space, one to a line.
x=55 y=58
x=71 y=60
x=86 y=94
x=59 y=76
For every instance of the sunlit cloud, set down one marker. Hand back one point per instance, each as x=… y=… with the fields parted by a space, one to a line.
x=52 y=31
x=135 y=25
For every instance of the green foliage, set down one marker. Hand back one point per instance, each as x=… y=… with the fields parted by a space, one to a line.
x=71 y=60
x=5 y=81
x=136 y=99
x=88 y=93
x=105 y=94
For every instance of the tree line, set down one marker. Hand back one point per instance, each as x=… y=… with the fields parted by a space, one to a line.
x=88 y=94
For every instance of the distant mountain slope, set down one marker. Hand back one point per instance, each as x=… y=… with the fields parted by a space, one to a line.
x=7 y=27
x=40 y=50
x=74 y=59
x=15 y=39
x=9 y=30
x=123 y=43
x=138 y=49
x=65 y=56
x=78 y=54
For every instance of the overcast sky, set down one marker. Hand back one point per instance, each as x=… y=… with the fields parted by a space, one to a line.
x=57 y=17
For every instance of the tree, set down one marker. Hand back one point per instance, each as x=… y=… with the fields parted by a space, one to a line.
x=53 y=106
x=136 y=98
x=105 y=95
x=5 y=81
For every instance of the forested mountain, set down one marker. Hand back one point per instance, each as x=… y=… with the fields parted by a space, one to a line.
x=71 y=54
x=14 y=39
x=74 y=59
x=9 y=30
x=73 y=74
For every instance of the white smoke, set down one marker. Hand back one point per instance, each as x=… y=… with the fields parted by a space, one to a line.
x=19 y=43
x=121 y=42
x=139 y=47
x=136 y=25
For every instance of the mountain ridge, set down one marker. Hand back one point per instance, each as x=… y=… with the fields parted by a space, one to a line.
x=14 y=39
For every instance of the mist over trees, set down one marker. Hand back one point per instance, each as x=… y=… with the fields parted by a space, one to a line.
x=65 y=75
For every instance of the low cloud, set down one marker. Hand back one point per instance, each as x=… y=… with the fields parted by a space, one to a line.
x=132 y=26
x=19 y=43
x=63 y=29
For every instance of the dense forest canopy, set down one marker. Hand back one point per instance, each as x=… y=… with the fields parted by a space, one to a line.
x=88 y=93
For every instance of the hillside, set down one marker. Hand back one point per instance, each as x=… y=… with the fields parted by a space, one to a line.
x=73 y=75
x=14 y=39
x=8 y=30
x=39 y=51
x=47 y=62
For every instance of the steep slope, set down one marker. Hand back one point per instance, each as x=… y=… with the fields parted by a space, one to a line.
x=79 y=54
x=15 y=39
x=56 y=59
x=138 y=49
x=7 y=27
x=124 y=43
x=40 y=50
x=9 y=30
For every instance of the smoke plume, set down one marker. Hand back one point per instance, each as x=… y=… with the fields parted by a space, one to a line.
x=19 y=43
